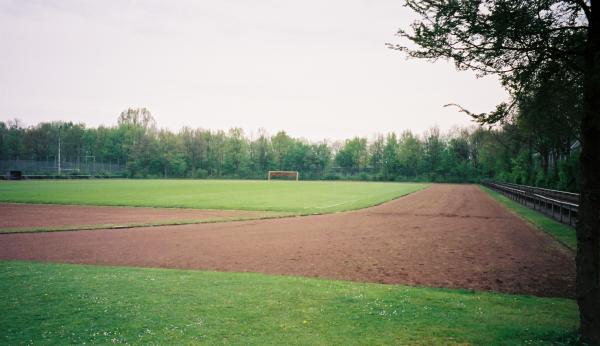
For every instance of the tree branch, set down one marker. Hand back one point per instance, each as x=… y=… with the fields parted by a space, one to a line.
x=586 y=9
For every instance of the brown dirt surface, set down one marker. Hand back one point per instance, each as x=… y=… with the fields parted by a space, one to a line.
x=14 y=215
x=452 y=236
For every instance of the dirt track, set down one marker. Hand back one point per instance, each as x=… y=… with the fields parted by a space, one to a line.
x=446 y=236
x=14 y=215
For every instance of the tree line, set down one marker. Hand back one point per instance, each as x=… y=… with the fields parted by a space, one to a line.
x=512 y=153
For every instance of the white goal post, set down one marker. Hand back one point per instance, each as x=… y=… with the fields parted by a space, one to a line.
x=283 y=174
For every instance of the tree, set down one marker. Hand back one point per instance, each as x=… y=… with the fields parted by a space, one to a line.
x=519 y=41
x=192 y=148
x=169 y=154
x=281 y=145
x=433 y=151
x=390 y=157
x=264 y=153
x=138 y=117
x=72 y=144
x=321 y=158
x=353 y=155
x=12 y=137
x=410 y=153
x=376 y=153
x=458 y=155
x=215 y=143
x=138 y=129
x=505 y=153
x=42 y=141
x=235 y=151
x=298 y=157
x=3 y=141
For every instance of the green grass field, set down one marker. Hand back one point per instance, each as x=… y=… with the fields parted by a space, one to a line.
x=561 y=232
x=43 y=303
x=76 y=304
x=304 y=197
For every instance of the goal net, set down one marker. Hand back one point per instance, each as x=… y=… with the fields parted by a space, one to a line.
x=283 y=175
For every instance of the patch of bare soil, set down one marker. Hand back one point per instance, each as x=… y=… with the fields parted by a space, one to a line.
x=451 y=236
x=13 y=215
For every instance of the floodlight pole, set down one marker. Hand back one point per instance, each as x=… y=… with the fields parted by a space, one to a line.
x=59 y=128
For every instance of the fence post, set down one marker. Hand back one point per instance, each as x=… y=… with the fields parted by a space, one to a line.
x=561 y=214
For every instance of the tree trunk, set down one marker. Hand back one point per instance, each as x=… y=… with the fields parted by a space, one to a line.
x=556 y=158
x=545 y=162
x=530 y=165
x=588 y=227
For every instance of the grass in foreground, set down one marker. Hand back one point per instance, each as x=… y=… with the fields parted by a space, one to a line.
x=561 y=232
x=61 y=303
x=304 y=197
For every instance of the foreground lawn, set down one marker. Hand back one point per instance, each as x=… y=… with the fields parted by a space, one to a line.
x=561 y=232
x=61 y=304
x=289 y=196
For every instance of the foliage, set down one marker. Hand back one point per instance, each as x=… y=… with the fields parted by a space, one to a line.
x=353 y=155
x=512 y=153
x=547 y=55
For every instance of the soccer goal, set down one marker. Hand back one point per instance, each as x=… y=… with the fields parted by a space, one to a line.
x=284 y=174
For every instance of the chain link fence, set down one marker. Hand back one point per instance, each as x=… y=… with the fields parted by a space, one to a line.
x=40 y=169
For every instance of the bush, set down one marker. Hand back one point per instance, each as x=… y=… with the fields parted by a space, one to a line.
x=332 y=176
x=200 y=174
x=363 y=176
x=399 y=178
x=378 y=177
x=569 y=173
x=540 y=179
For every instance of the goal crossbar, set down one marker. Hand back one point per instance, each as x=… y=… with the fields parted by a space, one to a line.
x=283 y=174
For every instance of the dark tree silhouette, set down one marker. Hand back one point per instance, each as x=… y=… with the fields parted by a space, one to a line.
x=523 y=41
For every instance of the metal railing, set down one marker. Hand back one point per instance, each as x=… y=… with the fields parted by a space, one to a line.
x=560 y=205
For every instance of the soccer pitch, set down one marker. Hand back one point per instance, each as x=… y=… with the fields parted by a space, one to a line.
x=304 y=197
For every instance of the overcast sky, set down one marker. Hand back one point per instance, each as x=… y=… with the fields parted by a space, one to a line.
x=317 y=69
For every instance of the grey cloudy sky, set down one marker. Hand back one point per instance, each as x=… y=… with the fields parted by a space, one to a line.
x=317 y=69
